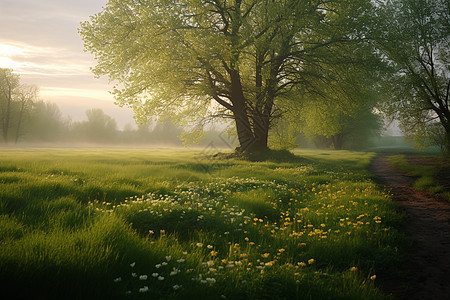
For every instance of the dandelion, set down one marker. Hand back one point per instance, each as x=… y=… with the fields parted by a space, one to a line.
x=151 y=232
x=311 y=261
x=265 y=255
x=353 y=269
x=143 y=290
x=199 y=245
x=373 y=277
x=281 y=250
x=213 y=253
x=301 y=264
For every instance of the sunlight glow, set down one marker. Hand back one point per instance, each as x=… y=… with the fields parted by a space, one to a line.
x=7 y=52
x=74 y=92
x=10 y=50
x=8 y=63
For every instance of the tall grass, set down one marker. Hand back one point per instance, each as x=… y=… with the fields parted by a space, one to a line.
x=168 y=224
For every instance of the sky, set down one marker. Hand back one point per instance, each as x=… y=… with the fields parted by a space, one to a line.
x=39 y=40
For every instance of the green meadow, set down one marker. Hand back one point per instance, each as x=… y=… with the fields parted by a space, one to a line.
x=176 y=224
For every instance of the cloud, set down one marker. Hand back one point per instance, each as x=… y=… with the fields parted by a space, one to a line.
x=40 y=41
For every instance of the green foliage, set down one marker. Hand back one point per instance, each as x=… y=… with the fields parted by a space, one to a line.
x=99 y=127
x=196 y=227
x=45 y=123
x=195 y=60
x=419 y=85
x=15 y=103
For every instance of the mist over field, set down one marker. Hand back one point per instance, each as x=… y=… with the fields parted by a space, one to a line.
x=224 y=149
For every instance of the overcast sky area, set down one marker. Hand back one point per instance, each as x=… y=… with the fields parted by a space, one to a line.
x=39 y=39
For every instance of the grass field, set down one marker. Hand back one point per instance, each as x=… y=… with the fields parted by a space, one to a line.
x=427 y=175
x=172 y=224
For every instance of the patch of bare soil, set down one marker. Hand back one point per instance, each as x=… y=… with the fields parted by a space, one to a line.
x=427 y=274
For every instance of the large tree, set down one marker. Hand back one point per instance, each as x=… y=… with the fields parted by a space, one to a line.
x=9 y=85
x=26 y=96
x=414 y=37
x=228 y=58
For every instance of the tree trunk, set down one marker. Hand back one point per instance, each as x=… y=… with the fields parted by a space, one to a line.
x=337 y=141
x=19 y=123
x=7 y=115
x=251 y=138
x=446 y=150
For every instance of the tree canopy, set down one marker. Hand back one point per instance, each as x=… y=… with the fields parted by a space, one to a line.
x=15 y=103
x=193 y=60
x=414 y=37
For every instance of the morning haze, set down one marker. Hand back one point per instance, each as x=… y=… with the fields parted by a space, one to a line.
x=224 y=149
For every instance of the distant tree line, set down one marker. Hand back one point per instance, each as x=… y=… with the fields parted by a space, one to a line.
x=27 y=119
x=24 y=118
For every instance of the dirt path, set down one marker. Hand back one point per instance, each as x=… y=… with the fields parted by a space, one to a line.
x=428 y=225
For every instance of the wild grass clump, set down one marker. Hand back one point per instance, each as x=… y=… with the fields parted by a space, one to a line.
x=313 y=228
x=426 y=175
